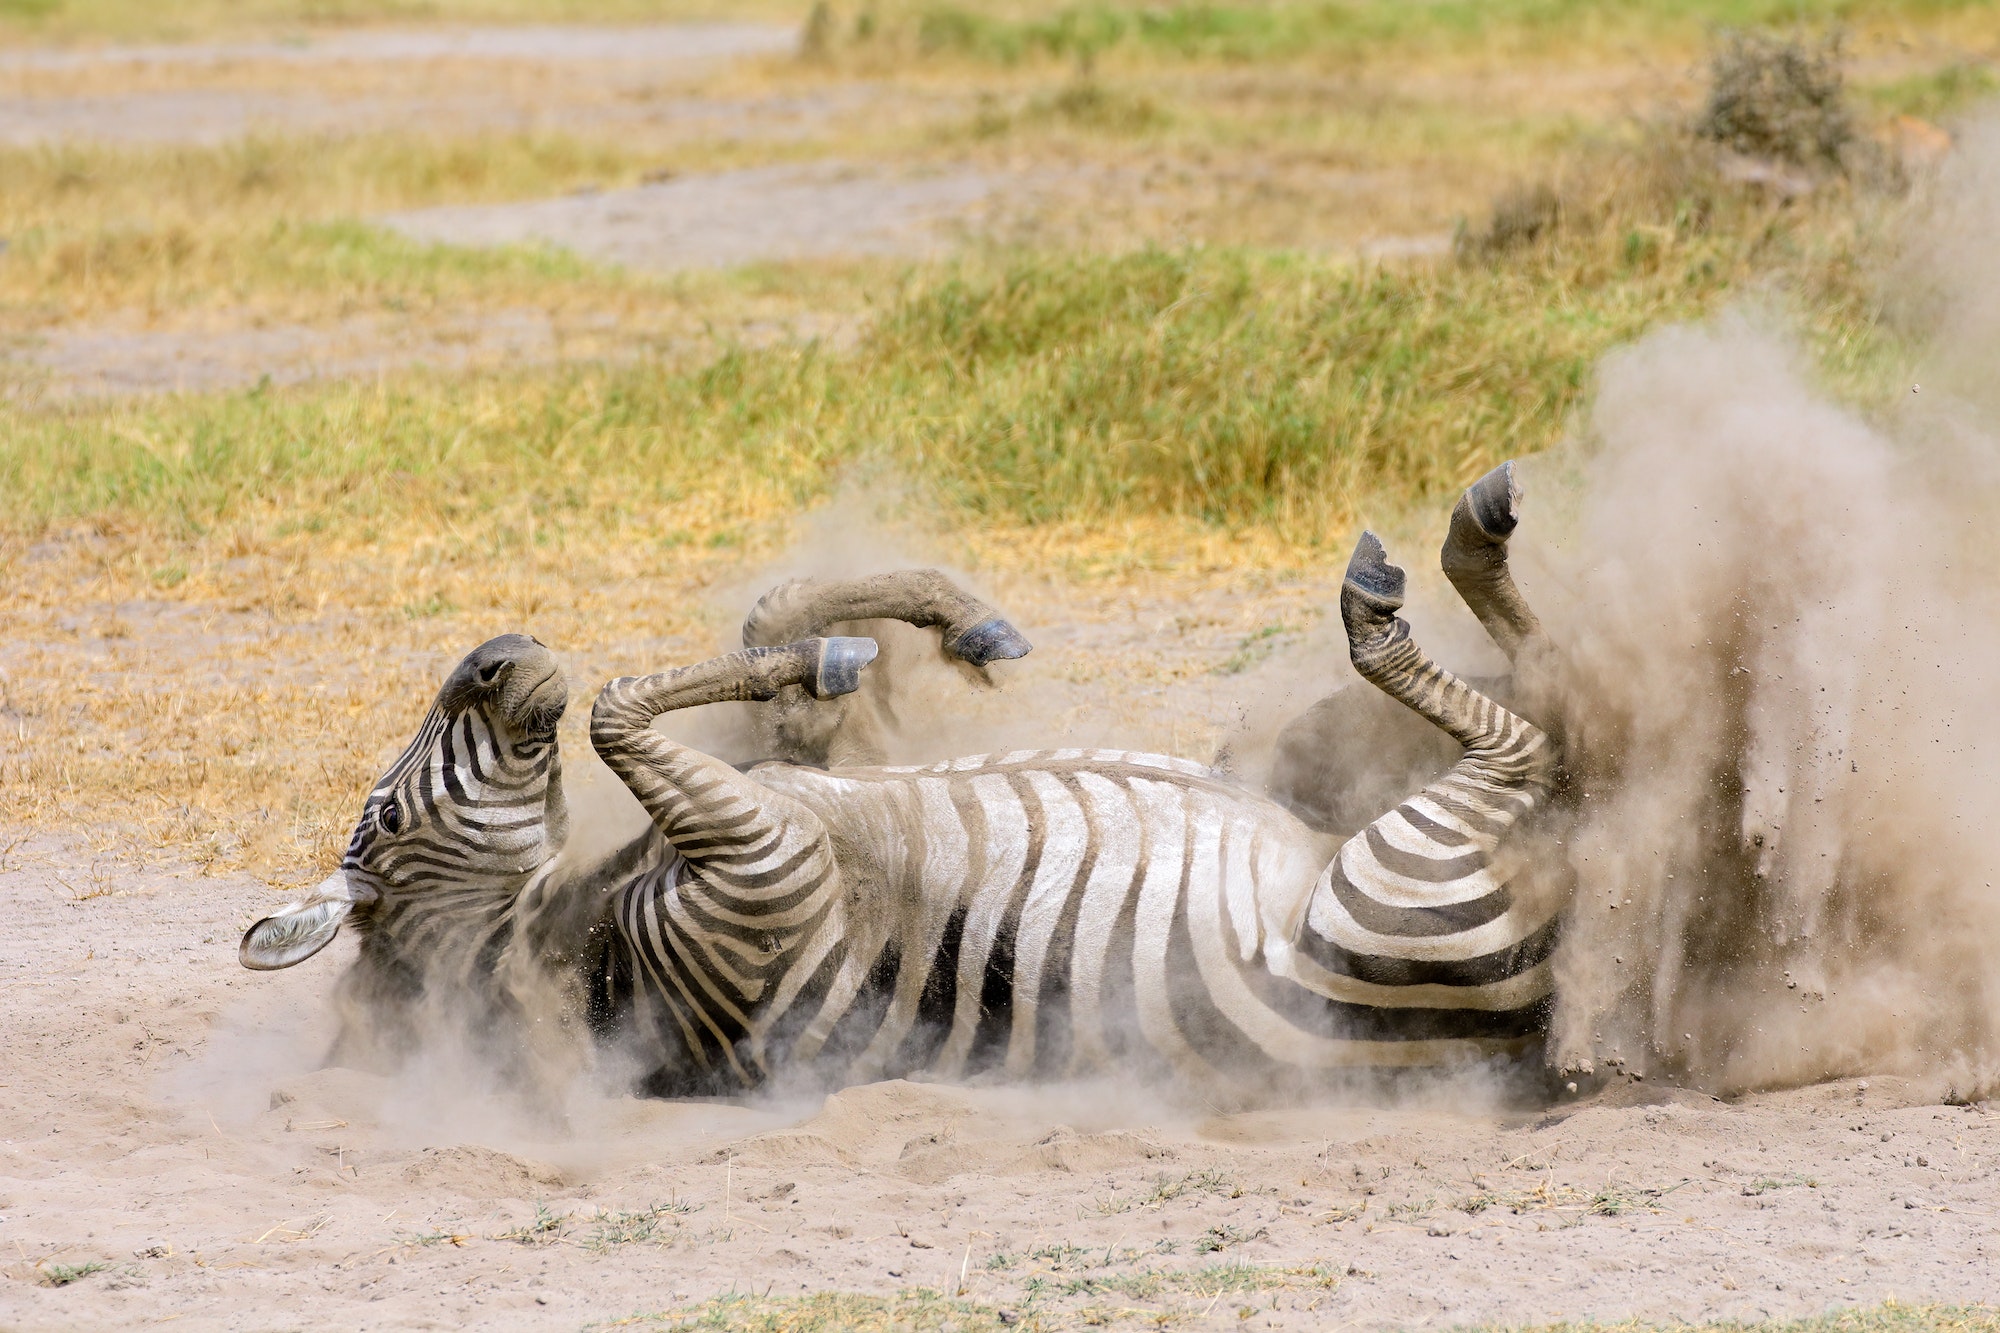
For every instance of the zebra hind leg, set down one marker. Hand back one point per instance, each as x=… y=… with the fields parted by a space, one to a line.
x=1434 y=923
x=969 y=629
x=1497 y=742
x=857 y=730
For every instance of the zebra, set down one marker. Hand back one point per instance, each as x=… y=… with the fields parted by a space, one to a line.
x=1024 y=915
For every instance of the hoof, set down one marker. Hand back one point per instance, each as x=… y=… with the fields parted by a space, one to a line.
x=989 y=641
x=1370 y=574
x=840 y=663
x=1494 y=502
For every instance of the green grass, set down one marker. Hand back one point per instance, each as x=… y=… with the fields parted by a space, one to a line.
x=270 y=221
x=1281 y=30
x=262 y=176
x=1225 y=387
x=1937 y=94
x=1024 y=30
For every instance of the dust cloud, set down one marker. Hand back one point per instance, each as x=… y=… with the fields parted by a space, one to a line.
x=1778 y=634
x=1782 y=641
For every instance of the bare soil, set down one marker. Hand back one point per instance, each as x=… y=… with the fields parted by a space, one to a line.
x=541 y=44
x=72 y=362
x=164 y=1118
x=734 y=217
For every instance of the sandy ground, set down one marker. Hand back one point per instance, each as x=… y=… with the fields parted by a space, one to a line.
x=90 y=361
x=164 y=1119
x=542 y=44
x=165 y=1116
x=737 y=217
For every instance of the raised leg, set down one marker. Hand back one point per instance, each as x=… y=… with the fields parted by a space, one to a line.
x=700 y=803
x=1435 y=905
x=972 y=631
x=804 y=729
x=753 y=903
x=1475 y=559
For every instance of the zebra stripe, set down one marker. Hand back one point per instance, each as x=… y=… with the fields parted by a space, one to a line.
x=1112 y=904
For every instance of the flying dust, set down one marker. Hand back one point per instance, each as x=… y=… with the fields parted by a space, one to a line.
x=1780 y=639
x=1783 y=641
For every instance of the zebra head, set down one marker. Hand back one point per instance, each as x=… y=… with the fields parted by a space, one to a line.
x=456 y=827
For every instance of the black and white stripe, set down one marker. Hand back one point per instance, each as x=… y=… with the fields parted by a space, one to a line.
x=1033 y=914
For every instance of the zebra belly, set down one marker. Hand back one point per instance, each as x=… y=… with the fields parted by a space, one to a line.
x=1061 y=913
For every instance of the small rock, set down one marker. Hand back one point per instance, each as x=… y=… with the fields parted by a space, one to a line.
x=541 y=1300
x=1441 y=1227
x=1007 y=1316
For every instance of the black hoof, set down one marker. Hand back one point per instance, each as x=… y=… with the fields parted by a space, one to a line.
x=989 y=641
x=1370 y=574
x=1495 y=502
x=840 y=663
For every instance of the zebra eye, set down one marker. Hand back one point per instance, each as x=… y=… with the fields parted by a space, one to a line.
x=389 y=818
x=489 y=674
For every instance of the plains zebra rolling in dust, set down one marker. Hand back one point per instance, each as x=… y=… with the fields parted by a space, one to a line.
x=1032 y=914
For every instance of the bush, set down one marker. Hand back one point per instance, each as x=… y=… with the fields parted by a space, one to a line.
x=1778 y=98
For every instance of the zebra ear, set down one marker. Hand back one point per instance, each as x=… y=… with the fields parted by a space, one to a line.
x=297 y=931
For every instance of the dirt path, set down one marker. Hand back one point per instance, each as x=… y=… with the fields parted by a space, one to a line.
x=540 y=44
x=735 y=217
x=165 y=1123
x=91 y=361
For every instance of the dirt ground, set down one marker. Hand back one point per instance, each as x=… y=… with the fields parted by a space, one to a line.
x=174 y=1151
x=165 y=1121
x=735 y=217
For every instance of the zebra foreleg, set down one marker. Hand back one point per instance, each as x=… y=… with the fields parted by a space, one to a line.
x=722 y=937
x=855 y=730
x=1435 y=909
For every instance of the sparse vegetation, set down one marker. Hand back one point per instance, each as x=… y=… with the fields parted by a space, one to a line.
x=1778 y=98
x=923 y=1309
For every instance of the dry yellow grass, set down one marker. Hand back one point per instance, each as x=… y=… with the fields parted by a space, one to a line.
x=223 y=612
x=226 y=700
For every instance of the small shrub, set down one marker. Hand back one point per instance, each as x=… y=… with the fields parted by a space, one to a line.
x=1521 y=217
x=1778 y=98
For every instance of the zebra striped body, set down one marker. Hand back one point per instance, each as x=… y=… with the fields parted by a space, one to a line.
x=1023 y=915
x=1043 y=914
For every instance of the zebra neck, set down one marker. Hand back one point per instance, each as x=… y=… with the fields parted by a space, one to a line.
x=575 y=894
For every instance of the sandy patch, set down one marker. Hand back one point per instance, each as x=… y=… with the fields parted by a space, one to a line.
x=545 y=43
x=93 y=361
x=732 y=217
x=165 y=1119
x=222 y=115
